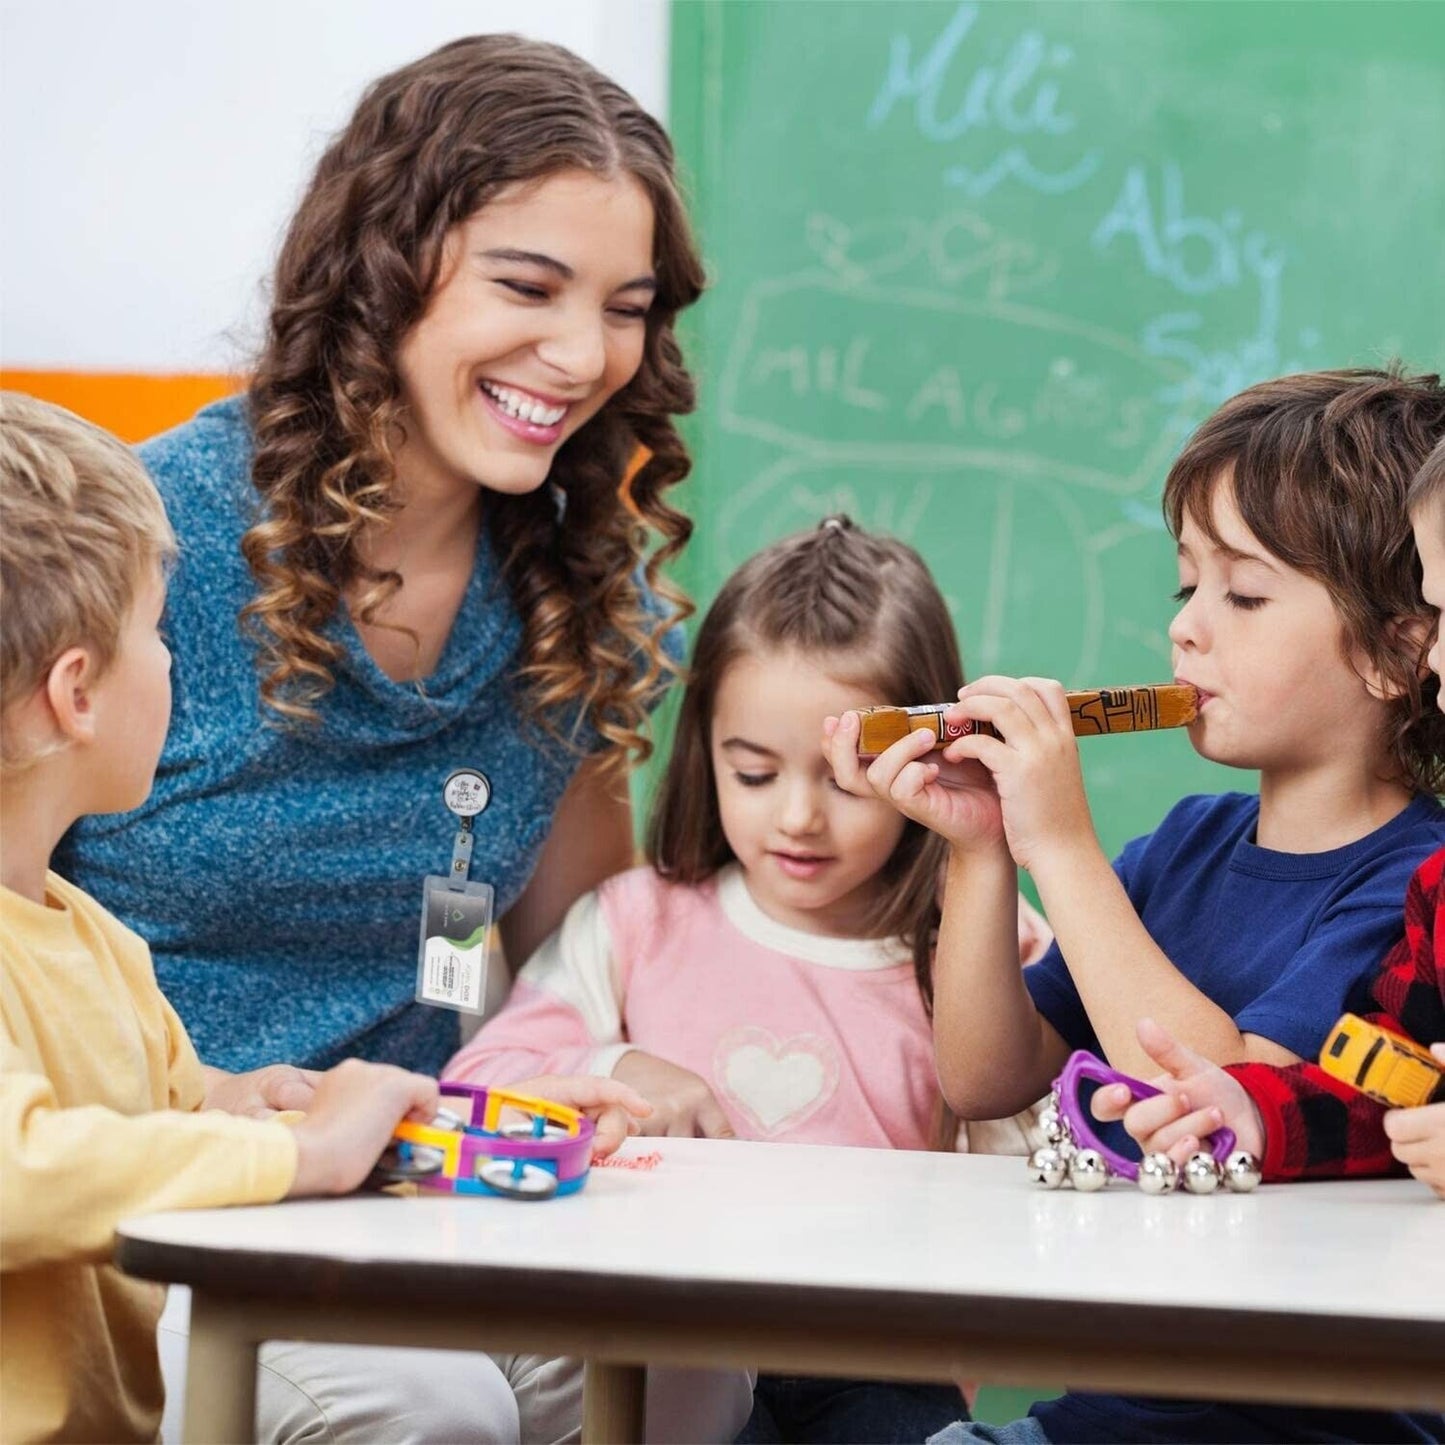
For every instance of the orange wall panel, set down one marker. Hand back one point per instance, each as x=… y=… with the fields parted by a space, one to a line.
x=132 y=405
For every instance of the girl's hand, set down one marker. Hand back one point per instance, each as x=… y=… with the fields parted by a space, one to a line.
x=611 y=1105
x=682 y=1104
x=1034 y=762
x=1417 y=1138
x=1198 y=1097
x=262 y=1092
x=955 y=800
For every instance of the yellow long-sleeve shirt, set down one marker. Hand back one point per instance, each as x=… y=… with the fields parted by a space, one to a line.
x=100 y=1093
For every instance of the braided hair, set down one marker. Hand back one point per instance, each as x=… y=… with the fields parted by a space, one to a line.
x=861 y=600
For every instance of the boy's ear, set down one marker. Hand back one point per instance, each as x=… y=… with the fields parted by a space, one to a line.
x=1408 y=637
x=69 y=690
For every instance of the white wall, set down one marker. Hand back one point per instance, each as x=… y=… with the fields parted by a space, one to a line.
x=151 y=151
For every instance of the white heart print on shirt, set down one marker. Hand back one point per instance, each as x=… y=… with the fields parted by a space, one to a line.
x=775 y=1084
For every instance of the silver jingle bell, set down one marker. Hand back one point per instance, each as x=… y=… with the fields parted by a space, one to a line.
x=1052 y=1126
x=1158 y=1174
x=1087 y=1170
x=1047 y=1167
x=1242 y=1172
x=1201 y=1173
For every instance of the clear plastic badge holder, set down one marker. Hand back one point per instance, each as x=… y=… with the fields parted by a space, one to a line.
x=456 y=916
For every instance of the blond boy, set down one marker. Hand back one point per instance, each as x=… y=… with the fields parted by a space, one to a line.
x=103 y=1103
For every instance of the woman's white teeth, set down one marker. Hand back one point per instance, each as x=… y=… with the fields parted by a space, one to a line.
x=524 y=407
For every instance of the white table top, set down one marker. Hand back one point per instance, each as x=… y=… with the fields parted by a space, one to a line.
x=780 y=1217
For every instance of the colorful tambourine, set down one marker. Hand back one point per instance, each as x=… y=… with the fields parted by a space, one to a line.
x=545 y=1149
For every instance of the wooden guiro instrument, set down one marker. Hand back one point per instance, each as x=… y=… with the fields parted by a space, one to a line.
x=1102 y=710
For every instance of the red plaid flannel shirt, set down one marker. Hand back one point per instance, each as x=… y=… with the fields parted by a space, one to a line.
x=1316 y=1127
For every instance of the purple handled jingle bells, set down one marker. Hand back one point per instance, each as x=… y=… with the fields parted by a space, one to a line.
x=1075 y=1154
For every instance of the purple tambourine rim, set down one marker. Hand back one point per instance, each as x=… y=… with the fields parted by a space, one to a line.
x=572 y=1154
x=1084 y=1065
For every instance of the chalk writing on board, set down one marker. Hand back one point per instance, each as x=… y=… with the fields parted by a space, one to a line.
x=871 y=377
x=955 y=97
x=866 y=356
x=1203 y=255
x=1195 y=253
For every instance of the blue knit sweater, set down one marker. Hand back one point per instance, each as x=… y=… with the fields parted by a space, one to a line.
x=277 y=872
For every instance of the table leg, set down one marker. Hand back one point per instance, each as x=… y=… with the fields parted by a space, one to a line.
x=614 y=1403
x=220 y=1377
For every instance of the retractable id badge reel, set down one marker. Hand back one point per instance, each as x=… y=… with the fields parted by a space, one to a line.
x=456 y=913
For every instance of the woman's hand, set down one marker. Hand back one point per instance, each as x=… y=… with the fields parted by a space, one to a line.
x=683 y=1106
x=956 y=800
x=610 y=1104
x=262 y=1092
x=1417 y=1138
x=1197 y=1098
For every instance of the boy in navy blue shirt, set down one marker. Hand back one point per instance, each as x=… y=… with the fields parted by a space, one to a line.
x=1246 y=925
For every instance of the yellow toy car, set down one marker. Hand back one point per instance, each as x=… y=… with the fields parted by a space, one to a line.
x=1383 y=1064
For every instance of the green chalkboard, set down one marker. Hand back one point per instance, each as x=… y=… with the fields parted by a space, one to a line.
x=977 y=269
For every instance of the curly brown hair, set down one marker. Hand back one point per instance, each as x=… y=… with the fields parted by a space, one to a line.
x=1320 y=465
x=429 y=145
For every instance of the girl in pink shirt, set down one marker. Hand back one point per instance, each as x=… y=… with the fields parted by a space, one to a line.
x=768 y=974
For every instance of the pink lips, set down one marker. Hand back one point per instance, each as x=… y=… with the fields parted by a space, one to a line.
x=529 y=431
x=1202 y=696
x=800 y=867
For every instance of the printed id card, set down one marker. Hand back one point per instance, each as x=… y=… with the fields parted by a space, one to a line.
x=456 y=920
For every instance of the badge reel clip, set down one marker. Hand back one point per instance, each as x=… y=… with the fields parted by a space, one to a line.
x=456 y=915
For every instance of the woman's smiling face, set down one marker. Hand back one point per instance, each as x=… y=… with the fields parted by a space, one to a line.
x=537 y=321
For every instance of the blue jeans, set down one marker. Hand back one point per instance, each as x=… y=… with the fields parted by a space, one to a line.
x=803 y=1410
x=1027 y=1431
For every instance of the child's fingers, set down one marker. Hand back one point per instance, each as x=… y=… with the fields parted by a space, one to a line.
x=1009 y=703
x=1147 y=1118
x=1192 y=1126
x=712 y=1123
x=613 y=1093
x=613 y=1126
x=412 y=1096
x=1422 y=1159
x=991 y=753
x=1002 y=712
x=883 y=771
x=1180 y=1152
x=1111 y=1102
x=1051 y=693
x=1439 y=1051
x=1411 y=1126
x=585 y=1091
x=292 y=1089
x=1167 y=1051
x=840 y=748
x=1408 y=1152
x=912 y=783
